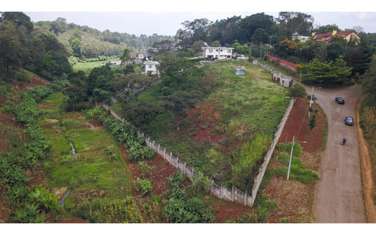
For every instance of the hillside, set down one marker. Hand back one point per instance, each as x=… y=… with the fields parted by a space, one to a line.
x=84 y=41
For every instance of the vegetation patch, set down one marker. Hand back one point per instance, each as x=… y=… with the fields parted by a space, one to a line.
x=214 y=120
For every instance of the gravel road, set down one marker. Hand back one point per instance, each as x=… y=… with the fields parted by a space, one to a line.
x=338 y=194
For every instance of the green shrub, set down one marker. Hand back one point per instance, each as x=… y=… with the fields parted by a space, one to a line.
x=27 y=214
x=297 y=90
x=298 y=171
x=144 y=186
x=101 y=210
x=44 y=200
x=124 y=133
x=183 y=208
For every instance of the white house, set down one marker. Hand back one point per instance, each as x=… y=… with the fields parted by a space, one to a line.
x=283 y=80
x=217 y=52
x=151 y=67
x=300 y=38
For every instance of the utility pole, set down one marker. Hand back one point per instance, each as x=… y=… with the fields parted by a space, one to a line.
x=311 y=102
x=291 y=152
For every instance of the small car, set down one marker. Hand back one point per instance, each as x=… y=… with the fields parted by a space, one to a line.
x=339 y=100
x=349 y=121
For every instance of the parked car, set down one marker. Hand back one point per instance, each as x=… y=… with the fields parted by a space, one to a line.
x=349 y=121
x=340 y=100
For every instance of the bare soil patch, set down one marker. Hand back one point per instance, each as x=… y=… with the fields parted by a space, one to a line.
x=294 y=200
x=226 y=211
x=298 y=125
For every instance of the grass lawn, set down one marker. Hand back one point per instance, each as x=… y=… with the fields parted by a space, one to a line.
x=87 y=66
x=96 y=174
x=226 y=133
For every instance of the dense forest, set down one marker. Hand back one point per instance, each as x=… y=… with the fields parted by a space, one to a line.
x=24 y=46
x=83 y=41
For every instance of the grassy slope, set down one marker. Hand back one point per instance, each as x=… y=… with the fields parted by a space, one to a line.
x=252 y=101
x=91 y=171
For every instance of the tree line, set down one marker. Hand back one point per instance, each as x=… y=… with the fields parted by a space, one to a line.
x=21 y=45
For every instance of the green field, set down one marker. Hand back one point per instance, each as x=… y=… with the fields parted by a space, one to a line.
x=228 y=130
x=95 y=179
x=87 y=65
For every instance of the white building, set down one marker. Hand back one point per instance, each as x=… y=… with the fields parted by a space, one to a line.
x=284 y=81
x=219 y=53
x=151 y=67
x=299 y=38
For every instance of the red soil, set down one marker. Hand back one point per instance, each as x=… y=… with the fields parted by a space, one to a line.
x=159 y=173
x=298 y=125
x=226 y=211
x=205 y=119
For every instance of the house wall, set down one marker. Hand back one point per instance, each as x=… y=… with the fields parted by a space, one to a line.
x=217 y=52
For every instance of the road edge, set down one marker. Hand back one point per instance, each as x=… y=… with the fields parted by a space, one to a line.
x=366 y=170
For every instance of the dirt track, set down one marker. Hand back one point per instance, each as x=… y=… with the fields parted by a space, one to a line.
x=338 y=194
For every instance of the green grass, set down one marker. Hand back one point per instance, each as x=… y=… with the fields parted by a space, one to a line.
x=87 y=66
x=252 y=103
x=298 y=171
x=91 y=169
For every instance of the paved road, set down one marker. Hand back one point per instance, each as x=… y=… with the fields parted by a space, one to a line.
x=338 y=194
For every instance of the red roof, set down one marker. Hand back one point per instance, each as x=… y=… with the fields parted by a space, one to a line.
x=284 y=63
x=328 y=36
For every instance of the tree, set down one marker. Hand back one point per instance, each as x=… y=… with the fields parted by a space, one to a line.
x=192 y=31
x=369 y=83
x=359 y=58
x=260 y=36
x=253 y=22
x=295 y=22
x=75 y=43
x=327 y=28
x=125 y=56
x=197 y=46
x=216 y=44
x=20 y=19
x=336 y=49
x=297 y=90
x=326 y=73
x=11 y=49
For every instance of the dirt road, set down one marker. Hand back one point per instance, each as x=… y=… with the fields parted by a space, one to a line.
x=338 y=194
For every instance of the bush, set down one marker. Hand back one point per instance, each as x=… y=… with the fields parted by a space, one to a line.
x=297 y=90
x=44 y=200
x=27 y=214
x=109 y=210
x=184 y=208
x=124 y=133
x=144 y=186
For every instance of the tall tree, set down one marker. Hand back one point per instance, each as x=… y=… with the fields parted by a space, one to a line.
x=326 y=73
x=369 y=83
x=295 y=22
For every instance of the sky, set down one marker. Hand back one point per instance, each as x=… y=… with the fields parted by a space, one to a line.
x=167 y=23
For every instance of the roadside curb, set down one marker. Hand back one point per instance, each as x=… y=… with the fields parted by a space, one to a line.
x=366 y=170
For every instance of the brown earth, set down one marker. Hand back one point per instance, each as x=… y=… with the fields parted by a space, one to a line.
x=295 y=199
x=227 y=211
x=298 y=125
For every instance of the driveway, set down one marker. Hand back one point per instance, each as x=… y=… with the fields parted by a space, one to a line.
x=338 y=194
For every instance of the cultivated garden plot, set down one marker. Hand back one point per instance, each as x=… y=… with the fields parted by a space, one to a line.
x=85 y=168
x=219 y=123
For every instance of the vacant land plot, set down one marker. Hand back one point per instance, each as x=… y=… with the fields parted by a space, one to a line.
x=224 y=133
x=87 y=66
x=85 y=169
x=294 y=198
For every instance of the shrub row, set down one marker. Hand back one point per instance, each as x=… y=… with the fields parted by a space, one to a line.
x=30 y=205
x=124 y=133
